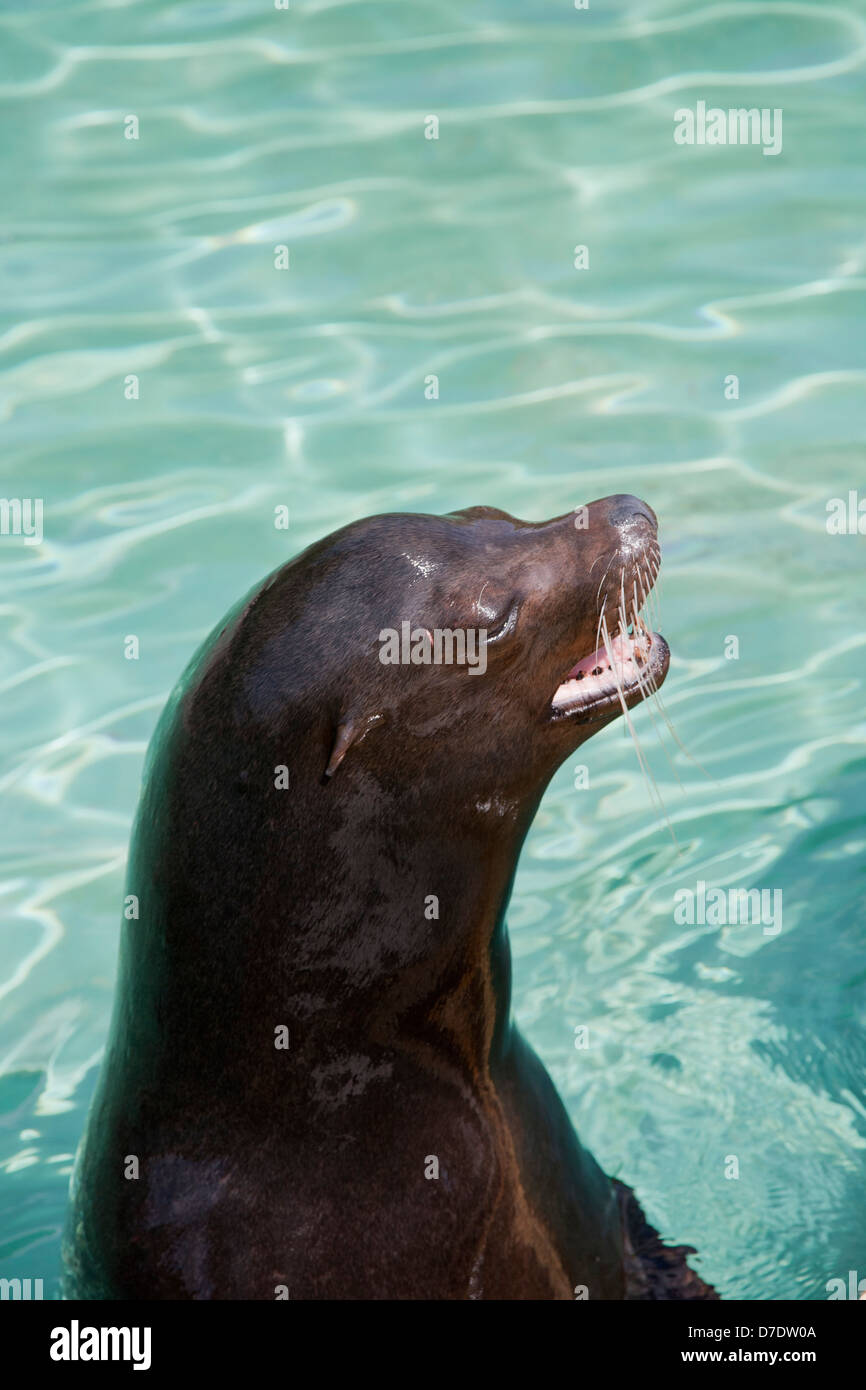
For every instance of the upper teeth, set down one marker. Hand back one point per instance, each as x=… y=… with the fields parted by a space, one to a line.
x=626 y=652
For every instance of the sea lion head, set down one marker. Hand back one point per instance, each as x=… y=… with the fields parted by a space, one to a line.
x=472 y=650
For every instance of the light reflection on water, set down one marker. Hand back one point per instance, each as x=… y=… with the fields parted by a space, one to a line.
x=306 y=388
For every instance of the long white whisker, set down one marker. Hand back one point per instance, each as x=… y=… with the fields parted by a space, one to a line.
x=653 y=558
x=600 y=621
x=603 y=578
x=650 y=779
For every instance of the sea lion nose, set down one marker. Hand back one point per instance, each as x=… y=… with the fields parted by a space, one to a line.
x=625 y=510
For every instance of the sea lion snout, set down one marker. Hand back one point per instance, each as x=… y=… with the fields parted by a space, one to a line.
x=612 y=658
x=626 y=510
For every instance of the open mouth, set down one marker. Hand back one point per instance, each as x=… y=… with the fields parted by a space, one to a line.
x=632 y=666
x=626 y=668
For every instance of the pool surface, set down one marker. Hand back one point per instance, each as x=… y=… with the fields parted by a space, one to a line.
x=165 y=385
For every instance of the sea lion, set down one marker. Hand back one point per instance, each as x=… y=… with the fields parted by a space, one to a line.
x=313 y=1088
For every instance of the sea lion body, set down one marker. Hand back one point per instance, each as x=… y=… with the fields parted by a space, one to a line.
x=313 y=1087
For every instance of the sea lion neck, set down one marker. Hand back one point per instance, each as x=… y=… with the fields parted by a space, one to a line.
x=375 y=930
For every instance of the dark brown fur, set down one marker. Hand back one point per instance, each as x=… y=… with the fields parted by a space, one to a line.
x=261 y=1168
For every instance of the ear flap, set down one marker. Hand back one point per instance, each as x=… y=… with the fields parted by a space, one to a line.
x=351 y=729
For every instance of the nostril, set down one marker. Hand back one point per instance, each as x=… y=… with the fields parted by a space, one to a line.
x=626 y=510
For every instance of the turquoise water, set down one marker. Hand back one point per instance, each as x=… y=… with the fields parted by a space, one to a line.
x=305 y=387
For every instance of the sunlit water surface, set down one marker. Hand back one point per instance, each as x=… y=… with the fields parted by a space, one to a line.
x=258 y=387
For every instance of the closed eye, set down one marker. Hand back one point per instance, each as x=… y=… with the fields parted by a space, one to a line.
x=507 y=626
